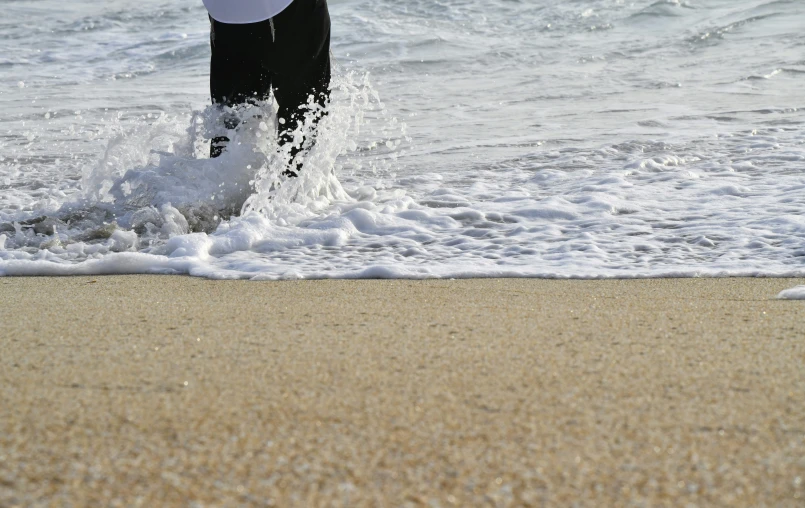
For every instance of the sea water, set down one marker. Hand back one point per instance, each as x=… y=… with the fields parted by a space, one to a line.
x=465 y=138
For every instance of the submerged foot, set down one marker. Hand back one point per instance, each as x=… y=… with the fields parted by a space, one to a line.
x=217 y=146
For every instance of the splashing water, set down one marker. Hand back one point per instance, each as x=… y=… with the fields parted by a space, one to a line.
x=175 y=196
x=547 y=139
x=318 y=185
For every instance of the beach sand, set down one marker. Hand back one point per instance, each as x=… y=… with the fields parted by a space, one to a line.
x=159 y=390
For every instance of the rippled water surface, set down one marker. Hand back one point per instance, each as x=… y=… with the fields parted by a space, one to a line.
x=592 y=138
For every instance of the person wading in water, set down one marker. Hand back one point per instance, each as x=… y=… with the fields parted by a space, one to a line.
x=260 y=45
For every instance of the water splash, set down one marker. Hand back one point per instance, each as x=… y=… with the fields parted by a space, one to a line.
x=354 y=98
x=154 y=183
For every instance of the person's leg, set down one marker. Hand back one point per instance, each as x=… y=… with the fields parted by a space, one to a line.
x=301 y=68
x=293 y=97
x=238 y=69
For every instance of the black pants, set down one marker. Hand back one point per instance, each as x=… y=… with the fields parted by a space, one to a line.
x=292 y=57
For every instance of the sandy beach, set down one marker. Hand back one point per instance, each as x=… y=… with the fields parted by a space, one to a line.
x=158 y=390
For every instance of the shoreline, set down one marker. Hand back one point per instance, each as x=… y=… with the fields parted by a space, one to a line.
x=171 y=390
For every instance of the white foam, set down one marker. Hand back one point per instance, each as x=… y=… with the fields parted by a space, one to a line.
x=566 y=154
x=795 y=293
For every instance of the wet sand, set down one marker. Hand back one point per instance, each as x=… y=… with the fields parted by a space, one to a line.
x=149 y=391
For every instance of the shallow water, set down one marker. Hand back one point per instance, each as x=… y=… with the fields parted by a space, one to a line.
x=465 y=139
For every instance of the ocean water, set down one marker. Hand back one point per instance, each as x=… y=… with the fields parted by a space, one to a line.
x=465 y=138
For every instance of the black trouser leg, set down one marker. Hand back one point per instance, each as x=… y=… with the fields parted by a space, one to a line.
x=293 y=95
x=218 y=143
x=293 y=55
x=237 y=71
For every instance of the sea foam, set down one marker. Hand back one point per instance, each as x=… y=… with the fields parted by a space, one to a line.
x=454 y=145
x=795 y=293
